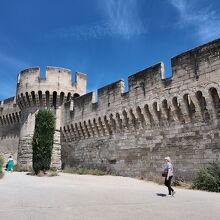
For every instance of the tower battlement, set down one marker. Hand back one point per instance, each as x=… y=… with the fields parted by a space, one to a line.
x=58 y=84
x=57 y=79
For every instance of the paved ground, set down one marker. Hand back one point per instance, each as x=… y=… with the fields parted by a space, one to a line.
x=75 y=197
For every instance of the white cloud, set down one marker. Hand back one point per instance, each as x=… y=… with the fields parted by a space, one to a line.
x=124 y=18
x=205 y=20
x=121 y=19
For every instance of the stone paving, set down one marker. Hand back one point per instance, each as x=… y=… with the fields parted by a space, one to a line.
x=75 y=197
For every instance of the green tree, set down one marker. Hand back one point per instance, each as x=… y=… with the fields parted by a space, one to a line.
x=43 y=140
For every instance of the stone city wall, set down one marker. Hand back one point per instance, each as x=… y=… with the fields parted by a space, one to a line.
x=130 y=133
x=9 y=128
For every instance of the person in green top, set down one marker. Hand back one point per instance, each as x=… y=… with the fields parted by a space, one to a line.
x=10 y=164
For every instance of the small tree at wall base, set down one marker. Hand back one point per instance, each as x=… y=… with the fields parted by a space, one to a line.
x=43 y=140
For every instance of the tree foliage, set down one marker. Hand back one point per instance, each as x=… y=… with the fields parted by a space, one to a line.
x=43 y=140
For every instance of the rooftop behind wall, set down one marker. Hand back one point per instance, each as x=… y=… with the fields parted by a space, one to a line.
x=9 y=102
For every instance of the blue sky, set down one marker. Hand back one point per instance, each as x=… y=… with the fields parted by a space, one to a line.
x=107 y=39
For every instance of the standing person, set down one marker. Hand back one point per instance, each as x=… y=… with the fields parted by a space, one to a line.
x=168 y=174
x=10 y=164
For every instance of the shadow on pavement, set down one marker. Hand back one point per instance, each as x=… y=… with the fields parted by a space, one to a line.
x=161 y=194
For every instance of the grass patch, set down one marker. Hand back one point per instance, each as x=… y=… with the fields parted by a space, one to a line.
x=53 y=173
x=177 y=181
x=44 y=174
x=180 y=182
x=47 y=174
x=20 y=168
x=84 y=171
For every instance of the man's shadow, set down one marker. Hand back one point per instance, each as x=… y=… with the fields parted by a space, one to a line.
x=161 y=194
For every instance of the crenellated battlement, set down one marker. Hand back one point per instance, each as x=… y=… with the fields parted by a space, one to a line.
x=189 y=105
x=29 y=73
x=147 y=78
x=9 y=111
x=197 y=68
x=9 y=102
x=197 y=62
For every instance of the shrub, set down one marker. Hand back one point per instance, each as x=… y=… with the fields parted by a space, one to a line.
x=1 y=165
x=53 y=169
x=53 y=173
x=43 y=140
x=208 y=178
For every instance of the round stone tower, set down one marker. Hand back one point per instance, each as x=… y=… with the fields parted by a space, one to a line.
x=52 y=92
